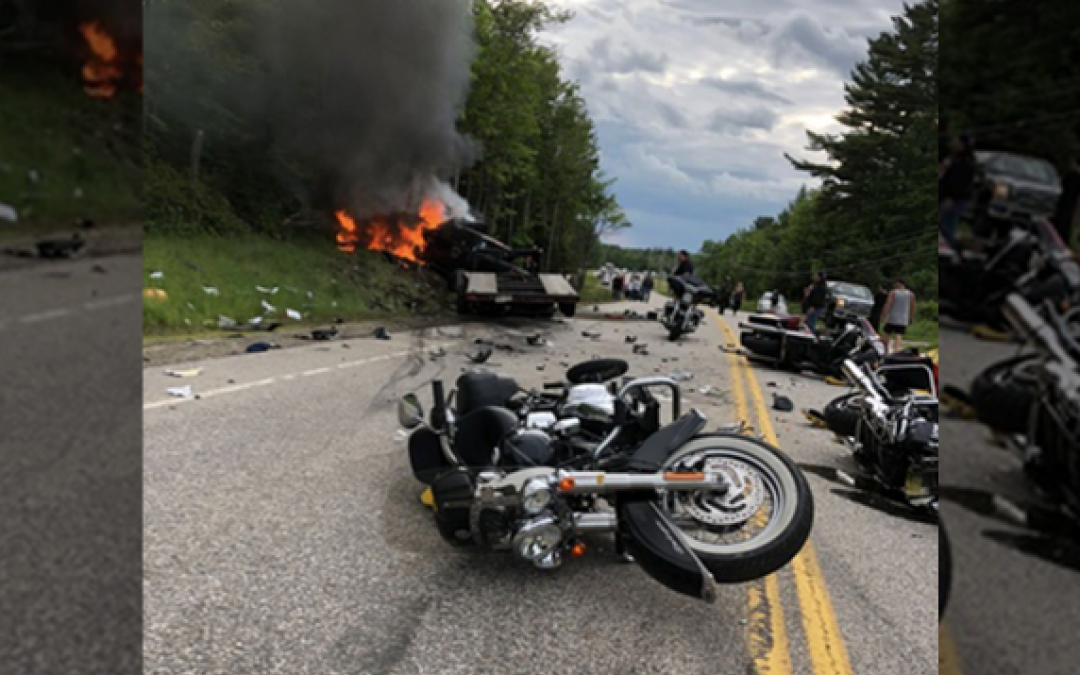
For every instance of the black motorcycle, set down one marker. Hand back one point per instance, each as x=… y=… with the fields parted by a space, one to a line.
x=1031 y=261
x=1035 y=400
x=896 y=439
x=681 y=315
x=785 y=343
x=693 y=509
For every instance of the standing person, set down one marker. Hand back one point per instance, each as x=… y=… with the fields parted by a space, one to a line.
x=899 y=313
x=724 y=297
x=816 y=298
x=737 y=298
x=685 y=267
x=956 y=187
x=646 y=287
x=1068 y=204
x=774 y=300
x=616 y=287
x=879 y=305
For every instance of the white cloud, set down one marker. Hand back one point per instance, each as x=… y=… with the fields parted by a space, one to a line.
x=697 y=101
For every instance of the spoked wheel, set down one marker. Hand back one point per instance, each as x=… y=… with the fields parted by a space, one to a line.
x=759 y=524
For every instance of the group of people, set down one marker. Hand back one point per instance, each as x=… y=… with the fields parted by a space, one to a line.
x=896 y=306
x=632 y=286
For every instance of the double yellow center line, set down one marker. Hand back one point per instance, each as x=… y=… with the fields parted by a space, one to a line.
x=768 y=640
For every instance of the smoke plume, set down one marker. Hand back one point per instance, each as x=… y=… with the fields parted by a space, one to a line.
x=366 y=94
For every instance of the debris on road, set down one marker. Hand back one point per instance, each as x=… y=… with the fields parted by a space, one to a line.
x=60 y=248
x=641 y=350
x=631 y=339
x=835 y=381
x=782 y=403
x=742 y=428
x=324 y=333
x=481 y=356
x=536 y=341
x=590 y=334
x=180 y=392
x=381 y=334
x=682 y=376
x=260 y=347
x=815 y=418
x=190 y=372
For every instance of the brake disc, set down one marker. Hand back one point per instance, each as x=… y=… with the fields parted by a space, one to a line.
x=744 y=497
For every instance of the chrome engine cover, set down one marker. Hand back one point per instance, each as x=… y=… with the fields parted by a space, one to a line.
x=591 y=402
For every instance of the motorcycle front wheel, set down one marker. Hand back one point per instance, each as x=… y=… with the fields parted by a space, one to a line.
x=754 y=529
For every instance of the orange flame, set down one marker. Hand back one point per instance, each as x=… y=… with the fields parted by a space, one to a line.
x=400 y=238
x=101 y=72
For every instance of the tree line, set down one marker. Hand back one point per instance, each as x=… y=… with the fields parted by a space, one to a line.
x=874 y=217
x=212 y=167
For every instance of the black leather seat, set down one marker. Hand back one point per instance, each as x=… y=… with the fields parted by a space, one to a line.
x=478 y=390
x=479 y=432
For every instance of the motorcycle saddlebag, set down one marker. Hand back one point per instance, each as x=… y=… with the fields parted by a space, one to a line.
x=453 y=493
x=426 y=456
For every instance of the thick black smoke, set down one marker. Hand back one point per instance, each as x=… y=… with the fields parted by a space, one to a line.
x=366 y=94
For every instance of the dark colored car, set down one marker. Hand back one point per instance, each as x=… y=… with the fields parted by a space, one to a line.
x=849 y=301
x=1011 y=187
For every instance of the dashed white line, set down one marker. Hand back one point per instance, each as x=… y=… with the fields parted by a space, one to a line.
x=44 y=316
x=280 y=378
x=64 y=312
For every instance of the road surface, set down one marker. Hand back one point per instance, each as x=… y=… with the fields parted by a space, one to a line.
x=70 y=489
x=1014 y=607
x=284 y=532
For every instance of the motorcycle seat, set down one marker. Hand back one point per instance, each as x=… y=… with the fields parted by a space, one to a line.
x=478 y=390
x=480 y=432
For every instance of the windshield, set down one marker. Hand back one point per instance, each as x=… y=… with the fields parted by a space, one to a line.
x=1026 y=168
x=851 y=290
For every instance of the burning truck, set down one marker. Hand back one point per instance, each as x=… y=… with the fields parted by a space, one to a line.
x=487 y=277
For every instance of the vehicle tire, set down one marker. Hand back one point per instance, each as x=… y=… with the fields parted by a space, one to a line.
x=761 y=346
x=1002 y=395
x=597 y=371
x=792 y=515
x=944 y=571
x=568 y=309
x=842 y=414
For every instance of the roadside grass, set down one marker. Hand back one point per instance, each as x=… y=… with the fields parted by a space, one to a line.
x=63 y=155
x=310 y=274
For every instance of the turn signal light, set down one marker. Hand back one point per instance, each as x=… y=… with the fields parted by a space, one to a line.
x=567 y=483
x=578 y=550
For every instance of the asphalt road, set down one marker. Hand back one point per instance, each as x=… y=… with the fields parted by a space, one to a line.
x=1014 y=607
x=70 y=488
x=284 y=532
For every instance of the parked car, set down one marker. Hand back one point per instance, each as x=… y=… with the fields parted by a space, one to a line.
x=765 y=306
x=1010 y=187
x=848 y=301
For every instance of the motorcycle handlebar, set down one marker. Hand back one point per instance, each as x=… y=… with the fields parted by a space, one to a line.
x=860 y=379
x=438 y=412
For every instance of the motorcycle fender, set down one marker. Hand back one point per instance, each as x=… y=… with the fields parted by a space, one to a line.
x=662 y=550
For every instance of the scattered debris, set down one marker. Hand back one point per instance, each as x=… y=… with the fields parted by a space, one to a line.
x=270 y=309
x=770 y=384
x=815 y=418
x=225 y=322
x=536 y=340
x=631 y=339
x=98 y=269
x=782 y=403
x=541 y=366
x=255 y=321
x=381 y=334
x=210 y=290
x=641 y=350
x=60 y=248
x=180 y=392
x=293 y=314
x=191 y=372
x=682 y=376
x=590 y=334
x=259 y=347
x=157 y=275
x=835 y=381
x=271 y=291
x=481 y=356
x=324 y=333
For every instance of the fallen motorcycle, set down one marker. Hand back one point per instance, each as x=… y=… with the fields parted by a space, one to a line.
x=784 y=342
x=693 y=509
x=896 y=439
x=902 y=374
x=1039 y=405
x=1031 y=260
x=681 y=315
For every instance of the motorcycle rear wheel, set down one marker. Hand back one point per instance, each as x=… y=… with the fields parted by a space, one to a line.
x=787 y=527
x=842 y=414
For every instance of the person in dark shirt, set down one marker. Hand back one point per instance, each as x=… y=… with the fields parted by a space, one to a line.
x=646 y=287
x=1068 y=201
x=879 y=304
x=956 y=187
x=685 y=267
x=815 y=301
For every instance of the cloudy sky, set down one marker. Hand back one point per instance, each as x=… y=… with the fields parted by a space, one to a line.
x=695 y=101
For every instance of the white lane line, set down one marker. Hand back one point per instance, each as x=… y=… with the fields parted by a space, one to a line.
x=44 y=316
x=280 y=378
x=109 y=302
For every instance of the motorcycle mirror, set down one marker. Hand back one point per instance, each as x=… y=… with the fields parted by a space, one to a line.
x=410 y=412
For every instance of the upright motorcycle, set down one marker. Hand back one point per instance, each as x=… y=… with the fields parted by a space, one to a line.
x=693 y=509
x=681 y=315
